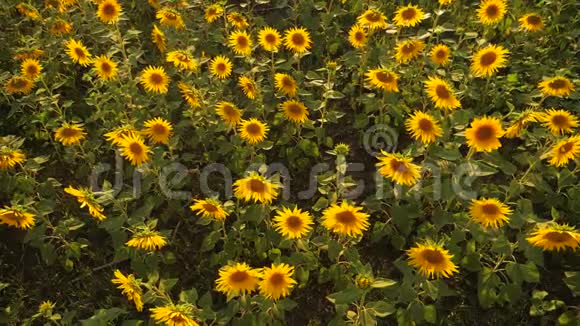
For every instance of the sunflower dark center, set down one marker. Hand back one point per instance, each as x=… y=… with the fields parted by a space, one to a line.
x=373 y=17
x=156 y=79
x=287 y=82
x=229 y=110
x=566 y=147
x=294 y=222
x=434 y=257
x=32 y=70
x=441 y=54
x=298 y=39
x=534 y=20
x=106 y=67
x=346 y=217
x=488 y=58
x=442 y=92
x=492 y=11
x=242 y=41
x=409 y=13
x=276 y=279
x=559 y=120
x=221 y=66
x=359 y=36
x=557 y=84
x=136 y=148
x=484 y=133
x=253 y=129
x=79 y=52
x=256 y=186
x=399 y=166
x=294 y=109
x=212 y=12
x=408 y=48
x=490 y=209
x=109 y=9
x=69 y=132
x=19 y=83
x=425 y=125
x=170 y=16
x=239 y=276
x=384 y=77
x=558 y=236
x=270 y=38
x=159 y=129
x=210 y=208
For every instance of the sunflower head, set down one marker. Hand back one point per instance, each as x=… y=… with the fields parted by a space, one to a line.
x=158 y=130
x=170 y=17
x=134 y=149
x=248 y=86
x=109 y=11
x=345 y=219
x=384 y=79
x=190 y=94
x=357 y=36
x=78 y=52
x=210 y=208
x=269 y=39
x=30 y=68
x=70 y=134
x=408 y=50
x=221 y=67
x=372 y=19
x=488 y=60
x=398 y=168
x=146 y=239
x=253 y=130
x=440 y=54
x=16 y=216
x=564 y=151
x=60 y=27
x=10 y=157
x=158 y=38
x=531 y=22
x=256 y=188
x=182 y=60
x=423 y=127
x=18 y=85
x=432 y=260
x=441 y=94
x=276 y=281
x=239 y=21
x=155 y=80
x=213 y=12
x=294 y=111
x=489 y=212
x=292 y=223
x=229 y=113
x=105 y=68
x=297 y=40
x=559 y=121
x=490 y=12
x=237 y=279
x=240 y=42
x=408 y=16
x=556 y=86
x=554 y=236
x=176 y=315
x=286 y=84
x=484 y=134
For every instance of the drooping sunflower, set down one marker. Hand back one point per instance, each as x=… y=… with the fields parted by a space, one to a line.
x=28 y=11
x=118 y=134
x=357 y=36
x=297 y=40
x=292 y=223
x=70 y=134
x=158 y=38
x=440 y=54
x=253 y=130
x=210 y=208
x=134 y=149
x=105 y=67
x=78 y=52
x=488 y=60
x=490 y=12
x=556 y=86
x=248 y=86
x=239 y=21
x=30 y=68
x=174 y=315
x=85 y=197
x=372 y=19
x=531 y=22
x=256 y=188
x=489 y=212
x=155 y=80
x=484 y=134
x=564 y=151
x=60 y=27
x=345 y=219
x=33 y=53
x=170 y=17
x=221 y=67
x=432 y=260
x=10 y=157
x=441 y=94
x=408 y=16
x=18 y=85
x=109 y=11
x=383 y=79
x=147 y=240
x=286 y=84
x=182 y=60
x=213 y=12
x=240 y=42
x=17 y=217
x=237 y=279
x=294 y=111
x=423 y=127
x=555 y=237
x=269 y=39
x=158 y=130
x=190 y=95
x=559 y=121
x=229 y=113
x=131 y=288
x=276 y=281
x=524 y=119
x=398 y=168
x=408 y=50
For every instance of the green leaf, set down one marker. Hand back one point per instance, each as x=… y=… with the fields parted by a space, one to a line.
x=165 y=285
x=430 y=313
x=210 y=240
x=333 y=94
x=572 y=280
x=188 y=296
x=346 y=296
x=381 y=283
x=381 y=308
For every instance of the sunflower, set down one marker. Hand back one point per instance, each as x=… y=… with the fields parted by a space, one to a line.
x=85 y=197
x=445 y=2
x=357 y=36
x=19 y=85
x=398 y=168
x=441 y=94
x=253 y=130
x=286 y=84
x=213 y=12
x=564 y=151
x=174 y=315
x=489 y=212
x=190 y=95
x=105 y=67
x=294 y=111
x=221 y=67
x=155 y=80
x=134 y=149
x=488 y=60
x=45 y=308
x=383 y=79
x=423 y=127
x=28 y=54
x=491 y=11
x=239 y=21
x=131 y=288
x=237 y=279
x=158 y=38
x=10 y=157
x=292 y=223
x=60 y=27
x=78 y=52
x=17 y=217
x=276 y=281
x=64 y=5
x=229 y=113
x=209 y=208
x=70 y=134
x=109 y=11
x=118 y=134
x=556 y=86
x=158 y=130
x=154 y=3
x=432 y=260
x=440 y=54
x=182 y=60
x=484 y=134
x=531 y=22
x=559 y=121
x=345 y=219
x=408 y=16
x=527 y=117
x=28 y=11
x=372 y=19
x=30 y=68
x=256 y=188
x=407 y=50
x=555 y=237
x=248 y=86
x=269 y=39
x=170 y=17
x=240 y=42
x=297 y=40
x=147 y=240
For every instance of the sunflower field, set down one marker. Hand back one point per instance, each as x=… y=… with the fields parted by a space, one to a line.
x=289 y=162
